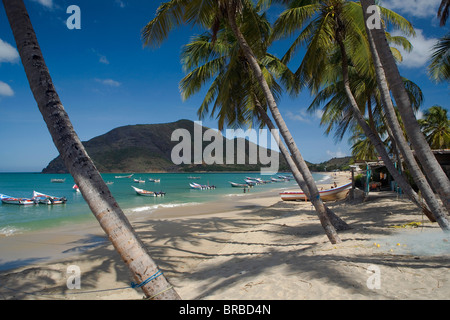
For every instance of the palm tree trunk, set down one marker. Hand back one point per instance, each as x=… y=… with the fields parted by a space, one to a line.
x=85 y=174
x=330 y=231
x=430 y=165
x=397 y=133
x=373 y=136
x=336 y=221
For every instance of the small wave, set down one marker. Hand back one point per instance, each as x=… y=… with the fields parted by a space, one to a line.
x=160 y=206
x=325 y=179
x=10 y=231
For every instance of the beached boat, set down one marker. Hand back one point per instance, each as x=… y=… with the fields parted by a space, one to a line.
x=46 y=199
x=146 y=193
x=123 y=177
x=200 y=187
x=239 y=185
x=154 y=180
x=337 y=193
x=18 y=201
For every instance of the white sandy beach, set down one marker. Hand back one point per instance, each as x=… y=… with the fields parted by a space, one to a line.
x=252 y=247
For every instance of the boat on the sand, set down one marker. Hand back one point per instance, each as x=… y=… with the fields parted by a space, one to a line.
x=338 y=193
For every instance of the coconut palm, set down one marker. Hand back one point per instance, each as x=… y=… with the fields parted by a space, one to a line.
x=212 y=15
x=387 y=65
x=234 y=93
x=85 y=174
x=443 y=11
x=439 y=68
x=340 y=24
x=436 y=127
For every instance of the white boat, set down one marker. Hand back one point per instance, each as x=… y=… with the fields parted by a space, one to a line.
x=201 y=187
x=278 y=180
x=154 y=180
x=146 y=193
x=139 y=180
x=337 y=193
x=190 y=177
x=58 y=180
x=123 y=177
x=251 y=182
x=46 y=199
x=239 y=185
x=18 y=201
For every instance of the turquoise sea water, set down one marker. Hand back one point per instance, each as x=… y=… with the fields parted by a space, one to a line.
x=18 y=219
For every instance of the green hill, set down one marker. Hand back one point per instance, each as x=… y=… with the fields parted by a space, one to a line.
x=147 y=148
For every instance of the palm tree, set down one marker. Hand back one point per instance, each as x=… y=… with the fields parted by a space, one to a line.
x=85 y=174
x=211 y=14
x=234 y=92
x=436 y=127
x=401 y=143
x=443 y=11
x=430 y=165
x=439 y=68
x=339 y=23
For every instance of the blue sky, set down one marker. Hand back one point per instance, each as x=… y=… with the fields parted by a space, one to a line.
x=106 y=78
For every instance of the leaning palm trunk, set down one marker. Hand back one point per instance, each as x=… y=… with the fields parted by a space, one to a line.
x=337 y=222
x=433 y=203
x=330 y=231
x=374 y=138
x=85 y=174
x=430 y=165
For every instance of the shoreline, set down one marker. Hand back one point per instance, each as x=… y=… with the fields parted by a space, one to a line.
x=50 y=244
x=259 y=248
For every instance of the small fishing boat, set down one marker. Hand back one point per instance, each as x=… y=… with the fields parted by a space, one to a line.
x=337 y=193
x=201 y=187
x=278 y=180
x=18 y=201
x=154 y=180
x=239 y=185
x=58 y=180
x=139 y=180
x=146 y=193
x=251 y=182
x=194 y=178
x=46 y=199
x=123 y=177
x=257 y=180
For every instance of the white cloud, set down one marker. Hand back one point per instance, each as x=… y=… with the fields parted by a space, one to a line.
x=5 y=90
x=8 y=53
x=45 y=3
x=303 y=115
x=109 y=82
x=417 y=8
x=296 y=116
x=421 y=52
x=336 y=154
